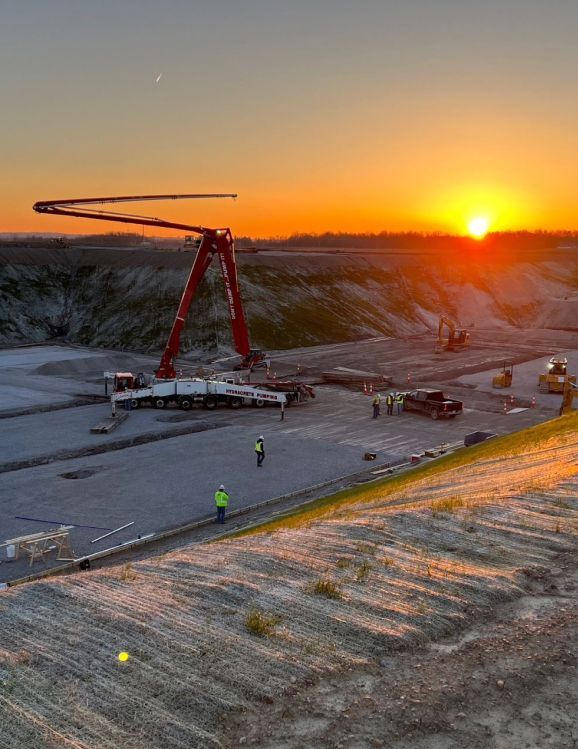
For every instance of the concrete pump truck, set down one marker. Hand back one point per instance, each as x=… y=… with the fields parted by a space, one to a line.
x=166 y=386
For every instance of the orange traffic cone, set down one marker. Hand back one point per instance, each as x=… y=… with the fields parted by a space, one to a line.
x=365 y=388
x=505 y=407
x=370 y=388
x=533 y=404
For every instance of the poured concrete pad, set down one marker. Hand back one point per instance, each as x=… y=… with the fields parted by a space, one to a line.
x=162 y=485
x=34 y=437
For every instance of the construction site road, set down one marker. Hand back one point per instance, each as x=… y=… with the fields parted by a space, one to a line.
x=160 y=469
x=170 y=480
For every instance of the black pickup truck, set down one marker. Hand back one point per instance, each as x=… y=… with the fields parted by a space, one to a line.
x=432 y=402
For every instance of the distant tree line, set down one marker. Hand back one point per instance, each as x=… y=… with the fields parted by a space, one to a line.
x=521 y=240
x=110 y=239
x=385 y=240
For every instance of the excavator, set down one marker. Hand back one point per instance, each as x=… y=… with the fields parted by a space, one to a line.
x=457 y=340
x=556 y=378
x=211 y=242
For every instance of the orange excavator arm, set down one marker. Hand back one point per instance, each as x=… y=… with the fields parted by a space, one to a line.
x=450 y=324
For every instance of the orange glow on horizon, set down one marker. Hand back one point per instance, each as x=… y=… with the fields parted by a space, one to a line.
x=426 y=208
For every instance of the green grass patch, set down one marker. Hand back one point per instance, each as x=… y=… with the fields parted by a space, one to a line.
x=127 y=572
x=261 y=624
x=327 y=588
x=448 y=505
x=535 y=438
x=364 y=548
x=362 y=572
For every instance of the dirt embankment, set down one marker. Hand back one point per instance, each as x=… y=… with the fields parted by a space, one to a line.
x=340 y=599
x=127 y=298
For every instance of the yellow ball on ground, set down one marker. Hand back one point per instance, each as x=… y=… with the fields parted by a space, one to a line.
x=123 y=656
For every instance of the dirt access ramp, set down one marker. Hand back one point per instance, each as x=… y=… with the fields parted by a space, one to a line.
x=408 y=563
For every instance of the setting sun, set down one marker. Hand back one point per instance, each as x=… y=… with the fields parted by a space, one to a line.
x=478 y=227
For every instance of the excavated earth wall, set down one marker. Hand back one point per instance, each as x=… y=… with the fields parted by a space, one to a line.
x=127 y=298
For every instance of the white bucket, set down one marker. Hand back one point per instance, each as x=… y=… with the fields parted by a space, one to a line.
x=10 y=551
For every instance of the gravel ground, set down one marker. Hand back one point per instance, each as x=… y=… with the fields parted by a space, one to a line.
x=509 y=681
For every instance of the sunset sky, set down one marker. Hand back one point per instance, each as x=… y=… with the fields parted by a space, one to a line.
x=322 y=114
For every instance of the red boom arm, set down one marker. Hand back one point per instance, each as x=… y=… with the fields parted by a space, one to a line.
x=220 y=242
x=214 y=241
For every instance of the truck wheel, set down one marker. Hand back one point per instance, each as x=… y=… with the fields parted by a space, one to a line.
x=186 y=404
x=210 y=402
x=159 y=403
x=135 y=403
x=258 y=402
x=235 y=402
x=434 y=413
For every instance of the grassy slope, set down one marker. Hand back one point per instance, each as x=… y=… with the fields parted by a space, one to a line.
x=401 y=575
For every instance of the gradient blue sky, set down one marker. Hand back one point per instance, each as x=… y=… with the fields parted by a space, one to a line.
x=322 y=114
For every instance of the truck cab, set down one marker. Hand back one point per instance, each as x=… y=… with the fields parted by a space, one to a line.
x=126 y=381
x=432 y=402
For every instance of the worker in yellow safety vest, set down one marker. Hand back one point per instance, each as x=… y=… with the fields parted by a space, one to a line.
x=221 y=501
x=260 y=450
x=376 y=405
x=399 y=399
x=389 y=404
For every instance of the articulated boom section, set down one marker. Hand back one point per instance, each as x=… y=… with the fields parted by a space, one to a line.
x=226 y=251
x=214 y=241
x=166 y=370
x=220 y=242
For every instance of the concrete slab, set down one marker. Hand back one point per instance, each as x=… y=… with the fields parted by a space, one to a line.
x=163 y=485
x=42 y=435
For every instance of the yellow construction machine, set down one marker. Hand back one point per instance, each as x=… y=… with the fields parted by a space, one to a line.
x=504 y=378
x=554 y=380
x=457 y=340
x=568 y=394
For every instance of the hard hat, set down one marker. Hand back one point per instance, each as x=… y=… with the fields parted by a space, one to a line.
x=261 y=437
x=221 y=488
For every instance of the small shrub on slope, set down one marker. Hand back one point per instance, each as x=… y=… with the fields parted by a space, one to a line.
x=327 y=588
x=259 y=623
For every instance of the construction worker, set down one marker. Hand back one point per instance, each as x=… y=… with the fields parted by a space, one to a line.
x=399 y=403
x=221 y=502
x=376 y=405
x=260 y=450
x=389 y=404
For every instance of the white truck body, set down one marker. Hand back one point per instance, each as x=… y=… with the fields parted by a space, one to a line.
x=187 y=391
